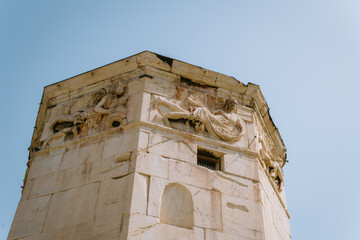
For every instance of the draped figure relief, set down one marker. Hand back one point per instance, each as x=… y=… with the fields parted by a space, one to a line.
x=269 y=160
x=224 y=124
x=106 y=109
x=109 y=103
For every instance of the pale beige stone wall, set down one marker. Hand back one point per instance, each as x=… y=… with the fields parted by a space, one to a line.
x=91 y=179
x=227 y=204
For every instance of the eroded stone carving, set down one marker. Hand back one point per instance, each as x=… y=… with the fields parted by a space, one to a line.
x=107 y=110
x=66 y=128
x=269 y=160
x=110 y=103
x=226 y=125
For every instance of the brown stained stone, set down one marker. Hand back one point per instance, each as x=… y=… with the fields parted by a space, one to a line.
x=47 y=184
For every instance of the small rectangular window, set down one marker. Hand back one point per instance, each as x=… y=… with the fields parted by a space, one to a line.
x=209 y=160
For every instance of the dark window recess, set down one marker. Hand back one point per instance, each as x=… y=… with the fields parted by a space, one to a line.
x=208 y=160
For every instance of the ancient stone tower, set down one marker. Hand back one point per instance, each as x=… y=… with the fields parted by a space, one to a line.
x=149 y=147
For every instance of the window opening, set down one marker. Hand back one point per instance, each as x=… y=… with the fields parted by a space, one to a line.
x=208 y=160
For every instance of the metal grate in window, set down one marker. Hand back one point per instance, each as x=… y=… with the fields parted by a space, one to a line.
x=208 y=160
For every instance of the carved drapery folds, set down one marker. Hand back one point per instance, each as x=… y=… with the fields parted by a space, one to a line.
x=225 y=124
x=109 y=105
x=106 y=109
x=270 y=159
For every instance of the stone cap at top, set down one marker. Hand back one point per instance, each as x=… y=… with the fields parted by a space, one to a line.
x=178 y=68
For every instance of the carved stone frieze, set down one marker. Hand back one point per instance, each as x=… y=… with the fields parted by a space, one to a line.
x=110 y=105
x=106 y=109
x=270 y=159
x=150 y=147
x=225 y=124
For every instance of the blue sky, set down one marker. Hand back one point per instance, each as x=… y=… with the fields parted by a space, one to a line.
x=305 y=55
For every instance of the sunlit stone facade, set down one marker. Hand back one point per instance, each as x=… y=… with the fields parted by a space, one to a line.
x=150 y=147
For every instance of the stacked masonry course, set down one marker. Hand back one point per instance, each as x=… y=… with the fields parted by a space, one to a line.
x=150 y=147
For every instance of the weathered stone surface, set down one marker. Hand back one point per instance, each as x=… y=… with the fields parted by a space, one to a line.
x=80 y=104
x=141 y=222
x=191 y=174
x=27 y=188
x=58 y=234
x=167 y=232
x=45 y=166
x=140 y=194
x=72 y=207
x=167 y=147
x=177 y=206
x=241 y=166
x=242 y=217
x=156 y=189
x=55 y=112
x=207 y=209
x=29 y=217
x=160 y=87
x=251 y=136
x=47 y=184
x=145 y=107
x=70 y=159
x=275 y=220
x=135 y=105
x=234 y=186
x=207 y=204
x=153 y=148
x=78 y=176
x=114 y=199
x=93 y=231
x=152 y=164
x=143 y=142
x=121 y=144
x=90 y=151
